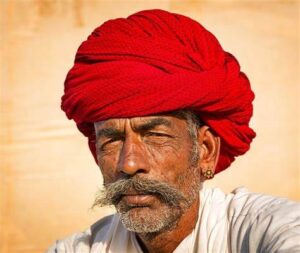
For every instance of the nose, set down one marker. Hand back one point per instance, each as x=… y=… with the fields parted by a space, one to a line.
x=132 y=159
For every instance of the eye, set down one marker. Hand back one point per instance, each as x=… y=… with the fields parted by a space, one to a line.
x=157 y=134
x=109 y=143
x=157 y=138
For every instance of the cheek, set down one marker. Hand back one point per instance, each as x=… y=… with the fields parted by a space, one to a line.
x=170 y=162
x=108 y=165
x=161 y=154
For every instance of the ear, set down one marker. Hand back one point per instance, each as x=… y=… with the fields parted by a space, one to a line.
x=209 y=147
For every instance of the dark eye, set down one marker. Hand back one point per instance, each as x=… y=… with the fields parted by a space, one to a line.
x=157 y=134
x=109 y=142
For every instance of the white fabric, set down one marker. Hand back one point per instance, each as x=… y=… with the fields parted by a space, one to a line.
x=239 y=222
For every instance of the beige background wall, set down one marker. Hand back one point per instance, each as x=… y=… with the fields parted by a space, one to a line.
x=48 y=177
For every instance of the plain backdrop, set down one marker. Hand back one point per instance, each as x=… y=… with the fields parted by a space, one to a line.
x=48 y=177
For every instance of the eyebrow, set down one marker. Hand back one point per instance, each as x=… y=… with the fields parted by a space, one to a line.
x=108 y=133
x=112 y=132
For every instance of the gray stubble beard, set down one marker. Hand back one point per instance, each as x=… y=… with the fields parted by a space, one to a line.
x=150 y=221
x=161 y=220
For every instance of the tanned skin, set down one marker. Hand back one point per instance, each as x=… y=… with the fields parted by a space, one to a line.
x=155 y=147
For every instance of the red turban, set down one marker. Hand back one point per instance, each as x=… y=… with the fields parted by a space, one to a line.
x=154 y=62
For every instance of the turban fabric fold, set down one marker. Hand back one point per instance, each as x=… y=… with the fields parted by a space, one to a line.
x=154 y=62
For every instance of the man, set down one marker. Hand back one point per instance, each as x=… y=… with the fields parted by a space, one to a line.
x=164 y=109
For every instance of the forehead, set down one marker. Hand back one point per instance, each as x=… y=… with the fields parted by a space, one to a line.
x=169 y=121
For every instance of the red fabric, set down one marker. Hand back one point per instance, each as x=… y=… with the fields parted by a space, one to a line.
x=154 y=62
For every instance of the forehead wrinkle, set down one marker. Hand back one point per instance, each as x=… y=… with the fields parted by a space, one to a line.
x=149 y=124
x=109 y=123
x=108 y=128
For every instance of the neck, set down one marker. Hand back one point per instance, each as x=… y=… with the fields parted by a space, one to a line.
x=168 y=241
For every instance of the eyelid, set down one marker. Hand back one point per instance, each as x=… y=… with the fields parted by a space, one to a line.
x=158 y=134
x=110 y=140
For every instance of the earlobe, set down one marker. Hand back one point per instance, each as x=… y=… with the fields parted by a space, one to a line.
x=209 y=152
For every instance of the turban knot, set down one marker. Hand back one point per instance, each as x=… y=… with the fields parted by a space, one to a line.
x=154 y=62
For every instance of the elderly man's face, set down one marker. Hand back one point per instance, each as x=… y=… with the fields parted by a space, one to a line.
x=148 y=171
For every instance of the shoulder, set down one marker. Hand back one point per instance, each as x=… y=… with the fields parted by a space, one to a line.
x=83 y=241
x=253 y=205
x=263 y=223
x=253 y=222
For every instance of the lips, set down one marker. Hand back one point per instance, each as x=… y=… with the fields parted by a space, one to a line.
x=138 y=199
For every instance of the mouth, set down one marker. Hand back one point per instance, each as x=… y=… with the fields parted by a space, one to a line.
x=138 y=200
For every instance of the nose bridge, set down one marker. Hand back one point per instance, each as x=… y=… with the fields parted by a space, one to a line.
x=131 y=160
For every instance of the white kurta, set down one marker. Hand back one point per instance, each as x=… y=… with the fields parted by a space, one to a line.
x=228 y=223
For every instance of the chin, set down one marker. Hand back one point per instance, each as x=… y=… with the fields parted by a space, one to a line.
x=150 y=220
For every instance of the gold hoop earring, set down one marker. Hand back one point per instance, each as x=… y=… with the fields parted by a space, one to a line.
x=208 y=174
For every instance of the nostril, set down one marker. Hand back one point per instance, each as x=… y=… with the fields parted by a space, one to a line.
x=128 y=174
